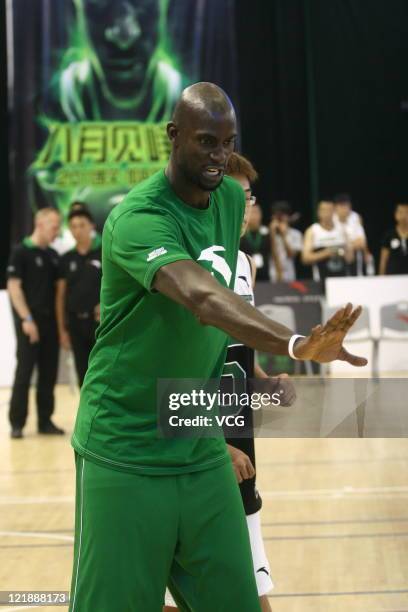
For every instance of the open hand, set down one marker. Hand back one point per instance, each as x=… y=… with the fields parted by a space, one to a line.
x=325 y=343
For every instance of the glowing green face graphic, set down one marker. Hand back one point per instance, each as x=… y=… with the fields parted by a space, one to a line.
x=123 y=36
x=117 y=86
x=123 y=56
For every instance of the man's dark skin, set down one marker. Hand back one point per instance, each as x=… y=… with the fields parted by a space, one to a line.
x=202 y=134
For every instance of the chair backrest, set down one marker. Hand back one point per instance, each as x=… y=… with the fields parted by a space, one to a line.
x=394 y=320
x=281 y=314
x=361 y=329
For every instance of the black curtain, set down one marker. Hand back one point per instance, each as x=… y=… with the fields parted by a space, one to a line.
x=324 y=100
x=273 y=98
x=360 y=59
x=4 y=178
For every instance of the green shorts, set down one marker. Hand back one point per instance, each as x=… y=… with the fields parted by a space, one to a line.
x=134 y=534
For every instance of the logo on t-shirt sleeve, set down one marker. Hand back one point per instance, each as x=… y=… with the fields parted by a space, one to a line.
x=156 y=253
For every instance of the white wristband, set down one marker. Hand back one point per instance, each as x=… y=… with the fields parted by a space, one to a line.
x=292 y=344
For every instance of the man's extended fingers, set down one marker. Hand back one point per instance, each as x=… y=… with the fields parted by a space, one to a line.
x=332 y=323
x=352 y=318
x=340 y=320
x=347 y=310
x=352 y=359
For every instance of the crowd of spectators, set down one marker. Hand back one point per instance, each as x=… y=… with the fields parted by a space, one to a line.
x=335 y=245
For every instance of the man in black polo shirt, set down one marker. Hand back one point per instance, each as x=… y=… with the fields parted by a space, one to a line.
x=394 y=251
x=32 y=274
x=78 y=290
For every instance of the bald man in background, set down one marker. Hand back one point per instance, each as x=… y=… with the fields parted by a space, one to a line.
x=151 y=510
x=32 y=275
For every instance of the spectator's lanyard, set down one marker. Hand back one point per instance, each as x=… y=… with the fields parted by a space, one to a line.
x=255 y=241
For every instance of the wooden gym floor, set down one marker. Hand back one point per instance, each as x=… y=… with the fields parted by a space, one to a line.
x=335 y=517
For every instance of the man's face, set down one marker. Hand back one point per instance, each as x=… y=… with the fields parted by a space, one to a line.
x=246 y=186
x=325 y=212
x=124 y=35
x=401 y=214
x=49 y=227
x=281 y=217
x=81 y=228
x=202 y=146
x=343 y=210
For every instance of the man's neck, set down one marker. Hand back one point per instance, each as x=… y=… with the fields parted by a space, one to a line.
x=327 y=225
x=402 y=230
x=84 y=246
x=37 y=239
x=190 y=194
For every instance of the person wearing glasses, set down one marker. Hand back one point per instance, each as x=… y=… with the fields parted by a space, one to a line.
x=256 y=241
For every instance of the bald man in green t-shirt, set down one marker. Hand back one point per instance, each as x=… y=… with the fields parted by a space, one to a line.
x=150 y=510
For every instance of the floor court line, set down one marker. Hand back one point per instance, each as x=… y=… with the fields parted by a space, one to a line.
x=15 y=501
x=338 y=536
x=339 y=593
x=331 y=462
x=37 y=534
x=335 y=522
x=31 y=472
x=66 y=545
x=344 y=492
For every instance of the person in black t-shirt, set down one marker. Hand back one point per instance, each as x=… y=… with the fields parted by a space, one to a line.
x=32 y=274
x=78 y=291
x=394 y=251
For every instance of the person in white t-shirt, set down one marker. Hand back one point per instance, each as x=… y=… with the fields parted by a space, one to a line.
x=326 y=247
x=351 y=223
x=286 y=243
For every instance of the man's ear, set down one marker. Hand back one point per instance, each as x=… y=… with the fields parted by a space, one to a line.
x=172 y=131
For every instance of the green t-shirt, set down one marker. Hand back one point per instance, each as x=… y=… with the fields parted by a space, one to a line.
x=145 y=336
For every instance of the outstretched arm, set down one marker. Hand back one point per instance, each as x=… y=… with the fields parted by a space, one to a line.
x=189 y=284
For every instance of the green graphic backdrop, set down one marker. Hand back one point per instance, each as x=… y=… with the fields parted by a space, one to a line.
x=103 y=78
